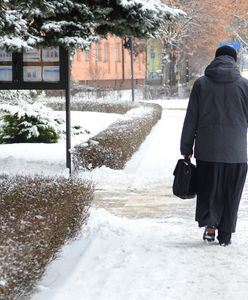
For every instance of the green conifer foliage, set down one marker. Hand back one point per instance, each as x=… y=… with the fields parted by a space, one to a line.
x=75 y=24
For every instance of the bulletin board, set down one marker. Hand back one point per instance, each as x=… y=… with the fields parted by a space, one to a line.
x=39 y=69
x=45 y=69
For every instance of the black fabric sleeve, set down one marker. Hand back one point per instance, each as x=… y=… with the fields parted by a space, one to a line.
x=190 y=122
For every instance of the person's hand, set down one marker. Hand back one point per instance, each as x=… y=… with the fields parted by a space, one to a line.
x=187 y=156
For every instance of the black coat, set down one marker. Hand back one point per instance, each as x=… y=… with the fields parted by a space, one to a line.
x=217 y=115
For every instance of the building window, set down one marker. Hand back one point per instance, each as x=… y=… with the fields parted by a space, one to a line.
x=117 y=52
x=144 y=58
x=105 y=52
x=87 y=55
x=97 y=51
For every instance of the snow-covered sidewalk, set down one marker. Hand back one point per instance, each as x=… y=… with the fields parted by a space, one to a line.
x=148 y=259
x=158 y=257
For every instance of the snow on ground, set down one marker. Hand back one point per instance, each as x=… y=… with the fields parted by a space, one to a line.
x=145 y=259
x=118 y=258
x=50 y=158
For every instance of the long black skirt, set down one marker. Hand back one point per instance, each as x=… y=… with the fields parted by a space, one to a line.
x=219 y=189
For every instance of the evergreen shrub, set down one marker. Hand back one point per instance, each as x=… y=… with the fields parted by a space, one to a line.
x=28 y=123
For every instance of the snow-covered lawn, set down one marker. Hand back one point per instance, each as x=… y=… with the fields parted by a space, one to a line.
x=50 y=158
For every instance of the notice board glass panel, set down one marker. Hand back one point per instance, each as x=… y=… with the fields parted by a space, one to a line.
x=6 y=69
x=6 y=73
x=51 y=73
x=41 y=65
x=50 y=55
x=32 y=73
x=33 y=55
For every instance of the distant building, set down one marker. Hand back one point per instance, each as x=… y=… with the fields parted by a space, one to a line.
x=154 y=61
x=107 y=63
x=154 y=54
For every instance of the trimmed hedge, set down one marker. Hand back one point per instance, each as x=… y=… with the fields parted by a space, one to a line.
x=114 y=146
x=77 y=104
x=37 y=216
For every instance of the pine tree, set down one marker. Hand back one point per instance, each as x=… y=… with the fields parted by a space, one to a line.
x=12 y=27
x=75 y=24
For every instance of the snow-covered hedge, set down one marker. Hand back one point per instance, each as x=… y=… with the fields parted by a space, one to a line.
x=114 y=146
x=13 y=97
x=79 y=104
x=37 y=216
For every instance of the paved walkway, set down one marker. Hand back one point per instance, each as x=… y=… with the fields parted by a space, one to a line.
x=161 y=204
x=155 y=199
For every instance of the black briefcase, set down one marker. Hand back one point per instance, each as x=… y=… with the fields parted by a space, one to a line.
x=184 y=185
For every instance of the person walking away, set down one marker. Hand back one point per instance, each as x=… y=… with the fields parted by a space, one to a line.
x=216 y=124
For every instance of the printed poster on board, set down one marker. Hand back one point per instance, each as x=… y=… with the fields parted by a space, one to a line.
x=50 y=54
x=6 y=73
x=33 y=55
x=5 y=56
x=32 y=73
x=51 y=73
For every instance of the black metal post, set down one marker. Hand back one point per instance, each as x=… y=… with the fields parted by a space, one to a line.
x=123 y=62
x=132 y=71
x=68 y=115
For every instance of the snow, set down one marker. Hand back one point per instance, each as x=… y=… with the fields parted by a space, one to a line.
x=153 y=6
x=159 y=257
x=137 y=112
x=50 y=158
x=13 y=42
x=120 y=258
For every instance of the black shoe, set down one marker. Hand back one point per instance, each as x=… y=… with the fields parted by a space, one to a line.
x=209 y=234
x=224 y=238
x=225 y=244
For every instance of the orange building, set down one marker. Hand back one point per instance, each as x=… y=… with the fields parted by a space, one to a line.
x=107 y=63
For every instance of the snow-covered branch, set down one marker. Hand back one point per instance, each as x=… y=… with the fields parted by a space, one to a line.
x=74 y=24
